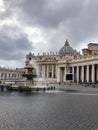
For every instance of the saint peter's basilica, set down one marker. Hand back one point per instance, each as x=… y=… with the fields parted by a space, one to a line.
x=55 y=67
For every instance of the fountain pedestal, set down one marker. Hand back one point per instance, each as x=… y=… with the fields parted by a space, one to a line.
x=29 y=75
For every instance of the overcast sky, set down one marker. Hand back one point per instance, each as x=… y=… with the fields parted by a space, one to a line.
x=43 y=25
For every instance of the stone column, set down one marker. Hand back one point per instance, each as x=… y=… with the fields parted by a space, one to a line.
x=65 y=75
x=93 y=73
x=73 y=72
x=82 y=73
x=77 y=74
x=56 y=71
x=58 y=74
x=8 y=76
x=97 y=72
x=43 y=71
x=87 y=76
x=52 y=71
x=47 y=71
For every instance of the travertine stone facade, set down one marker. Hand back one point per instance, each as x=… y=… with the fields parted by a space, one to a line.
x=53 y=67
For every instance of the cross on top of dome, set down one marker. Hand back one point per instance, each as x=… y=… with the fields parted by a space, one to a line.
x=66 y=43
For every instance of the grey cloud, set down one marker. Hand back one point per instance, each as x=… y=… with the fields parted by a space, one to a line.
x=73 y=19
x=13 y=43
x=46 y=13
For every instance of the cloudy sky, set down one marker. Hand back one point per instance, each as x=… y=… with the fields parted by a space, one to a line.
x=43 y=26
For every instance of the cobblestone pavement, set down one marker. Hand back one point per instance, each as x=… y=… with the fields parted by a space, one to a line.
x=66 y=108
x=77 y=89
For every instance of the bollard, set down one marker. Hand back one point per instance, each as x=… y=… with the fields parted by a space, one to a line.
x=2 y=87
x=44 y=89
x=37 y=89
x=20 y=89
x=48 y=88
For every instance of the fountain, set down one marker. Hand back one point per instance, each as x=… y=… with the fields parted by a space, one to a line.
x=31 y=72
x=29 y=75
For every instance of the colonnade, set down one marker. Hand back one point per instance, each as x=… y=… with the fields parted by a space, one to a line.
x=86 y=73
x=9 y=75
x=81 y=73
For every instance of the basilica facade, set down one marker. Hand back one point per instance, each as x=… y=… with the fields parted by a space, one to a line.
x=54 y=67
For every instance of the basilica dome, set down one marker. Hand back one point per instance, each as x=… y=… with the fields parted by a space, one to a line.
x=66 y=48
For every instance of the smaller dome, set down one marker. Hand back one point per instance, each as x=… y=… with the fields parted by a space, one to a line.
x=66 y=48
